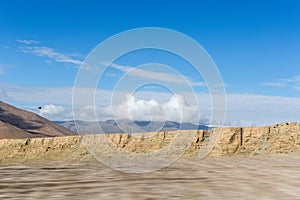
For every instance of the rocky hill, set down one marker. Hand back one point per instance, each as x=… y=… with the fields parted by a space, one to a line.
x=17 y=123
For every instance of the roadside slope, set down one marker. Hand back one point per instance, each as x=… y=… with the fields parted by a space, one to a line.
x=276 y=139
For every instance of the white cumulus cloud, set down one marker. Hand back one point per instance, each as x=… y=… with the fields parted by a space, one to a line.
x=52 y=111
x=175 y=109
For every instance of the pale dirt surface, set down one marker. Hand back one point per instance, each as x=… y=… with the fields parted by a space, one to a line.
x=235 y=177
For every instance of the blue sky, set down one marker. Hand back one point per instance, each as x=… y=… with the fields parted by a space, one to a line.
x=255 y=45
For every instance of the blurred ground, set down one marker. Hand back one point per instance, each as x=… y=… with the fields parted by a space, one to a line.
x=236 y=177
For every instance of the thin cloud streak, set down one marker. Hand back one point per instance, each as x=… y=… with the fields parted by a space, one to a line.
x=28 y=41
x=50 y=53
x=282 y=83
x=275 y=84
x=3 y=67
x=154 y=75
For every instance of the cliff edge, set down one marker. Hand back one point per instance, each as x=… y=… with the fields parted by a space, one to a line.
x=276 y=139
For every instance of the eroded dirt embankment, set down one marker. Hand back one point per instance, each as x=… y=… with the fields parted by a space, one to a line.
x=276 y=139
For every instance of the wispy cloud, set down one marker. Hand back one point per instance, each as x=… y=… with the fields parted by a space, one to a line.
x=28 y=41
x=297 y=87
x=154 y=75
x=3 y=67
x=5 y=46
x=50 y=53
x=111 y=74
x=282 y=83
x=3 y=95
x=275 y=84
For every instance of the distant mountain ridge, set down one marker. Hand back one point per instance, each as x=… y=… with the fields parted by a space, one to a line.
x=113 y=126
x=16 y=123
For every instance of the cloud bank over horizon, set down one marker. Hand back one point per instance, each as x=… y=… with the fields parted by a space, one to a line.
x=175 y=109
x=243 y=109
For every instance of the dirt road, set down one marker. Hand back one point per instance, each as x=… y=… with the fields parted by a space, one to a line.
x=275 y=177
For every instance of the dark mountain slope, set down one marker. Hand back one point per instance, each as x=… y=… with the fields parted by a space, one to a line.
x=17 y=120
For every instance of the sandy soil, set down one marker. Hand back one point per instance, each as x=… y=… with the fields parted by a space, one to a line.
x=275 y=177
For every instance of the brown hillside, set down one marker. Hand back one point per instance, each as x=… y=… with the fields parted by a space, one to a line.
x=17 y=123
x=10 y=132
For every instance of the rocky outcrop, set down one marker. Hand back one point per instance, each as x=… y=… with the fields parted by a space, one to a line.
x=279 y=138
x=42 y=149
x=276 y=139
x=19 y=123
